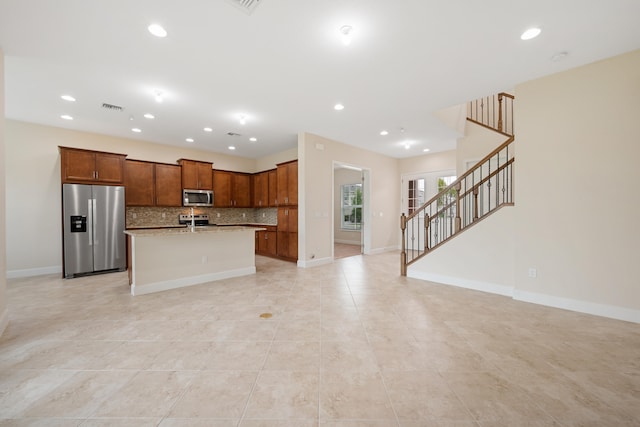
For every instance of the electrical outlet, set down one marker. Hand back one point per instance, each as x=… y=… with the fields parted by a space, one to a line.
x=244 y=215
x=264 y=215
x=134 y=215
x=164 y=215
x=217 y=214
x=533 y=273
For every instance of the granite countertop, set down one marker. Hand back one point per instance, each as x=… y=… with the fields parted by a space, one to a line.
x=174 y=231
x=153 y=227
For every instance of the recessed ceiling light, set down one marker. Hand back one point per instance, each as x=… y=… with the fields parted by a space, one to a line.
x=384 y=133
x=426 y=150
x=407 y=146
x=136 y=130
x=68 y=98
x=189 y=140
x=253 y=139
x=242 y=119
x=158 y=95
x=530 y=33
x=347 y=34
x=338 y=107
x=208 y=130
x=149 y=116
x=231 y=147
x=157 y=30
x=66 y=117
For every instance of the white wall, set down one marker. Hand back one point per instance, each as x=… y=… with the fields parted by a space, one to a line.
x=33 y=210
x=477 y=142
x=4 y=314
x=432 y=162
x=341 y=177
x=316 y=156
x=576 y=181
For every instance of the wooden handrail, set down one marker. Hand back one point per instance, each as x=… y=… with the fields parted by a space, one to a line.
x=462 y=177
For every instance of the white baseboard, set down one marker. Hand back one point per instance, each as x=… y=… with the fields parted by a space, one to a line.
x=4 y=320
x=189 y=281
x=314 y=262
x=29 y=272
x=382 y=250
x=476 y=285
x=603 y=310
x=347 y=242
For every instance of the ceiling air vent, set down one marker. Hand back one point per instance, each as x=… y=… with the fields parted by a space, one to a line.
x=111 y=107
x=233 y=134
x=247 y=6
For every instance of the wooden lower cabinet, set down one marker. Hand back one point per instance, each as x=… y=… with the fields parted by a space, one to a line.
x=266 y=243
x=288 y=245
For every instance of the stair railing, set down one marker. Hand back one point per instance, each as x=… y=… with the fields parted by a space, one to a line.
x=479 y=192
x=495 y=112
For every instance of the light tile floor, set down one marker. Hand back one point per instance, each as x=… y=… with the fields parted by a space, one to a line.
x=350 y=344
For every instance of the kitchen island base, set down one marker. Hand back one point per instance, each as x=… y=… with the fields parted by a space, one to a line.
x=164 y=259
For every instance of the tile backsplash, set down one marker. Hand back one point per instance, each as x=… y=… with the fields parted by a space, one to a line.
x=165 y=217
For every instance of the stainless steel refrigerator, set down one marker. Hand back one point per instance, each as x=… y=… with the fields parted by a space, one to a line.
x=93 y=229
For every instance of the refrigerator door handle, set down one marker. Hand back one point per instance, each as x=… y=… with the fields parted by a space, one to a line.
x=90 y=207
x=95 y=220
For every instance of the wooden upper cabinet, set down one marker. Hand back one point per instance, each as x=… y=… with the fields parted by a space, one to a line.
x=139 y=183
x=231 y=189
x=287 y=177
x=86 y=166
x=273 y=188
x=196 y=175
x=261 y=190
x=221 y=189
x=168 y=184
x=152 y=184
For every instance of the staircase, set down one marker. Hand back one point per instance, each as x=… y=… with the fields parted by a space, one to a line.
x=479 y=192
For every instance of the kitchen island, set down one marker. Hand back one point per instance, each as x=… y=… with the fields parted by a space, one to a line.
x=168 y=258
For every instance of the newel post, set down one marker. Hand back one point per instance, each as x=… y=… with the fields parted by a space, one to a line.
x=403 y=253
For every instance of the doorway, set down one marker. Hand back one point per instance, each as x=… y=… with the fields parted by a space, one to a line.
x=350 y=209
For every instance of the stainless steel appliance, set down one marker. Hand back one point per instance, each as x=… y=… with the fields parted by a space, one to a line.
x=194 y=220
x=197 y=198
x=93 y=229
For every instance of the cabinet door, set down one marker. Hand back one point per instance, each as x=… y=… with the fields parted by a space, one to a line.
x=292 y=183
x=282 y=248
x=109 y=168
x=221 y=189
x=273 y=188
x=77 y=165
x=241 y=193
x=205 y=180
x=189 y=174
x=271 y=243
x=168 y=185
x=261 y=190
x=292 y=246
x=281 y=174
x=283 y=219
x=292 y=216
x=139 y=183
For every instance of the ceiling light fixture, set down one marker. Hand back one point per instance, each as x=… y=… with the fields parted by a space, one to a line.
x=136 y=130
x=531 y=33
x=66 y=117
x=347 y=34
x=189 y=140
x=242 y=119
x=426 y=150
x=231 y=147
x=208 y=130
x=68 y=98
x=149 y=116
x=253 y=139
x=338 y=107
x=158 y=96
x=157 y=30
x=384 y=133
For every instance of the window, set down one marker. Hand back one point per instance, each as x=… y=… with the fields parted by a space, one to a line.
x=351 y=206
x=415 y=198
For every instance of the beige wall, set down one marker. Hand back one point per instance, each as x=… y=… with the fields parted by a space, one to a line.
x=4 y=314
x=315 y=217
x=341 y=177
x=477 y=142
x=270 y=162
x=576 y=178
x=433 y=162
x=34 y=242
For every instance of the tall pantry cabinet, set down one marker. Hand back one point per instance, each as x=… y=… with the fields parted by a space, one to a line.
x=287 y=202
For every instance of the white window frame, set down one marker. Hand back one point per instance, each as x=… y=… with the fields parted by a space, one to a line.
x=352 y=191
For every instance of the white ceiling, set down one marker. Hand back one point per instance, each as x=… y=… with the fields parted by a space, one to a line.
x=284 y=66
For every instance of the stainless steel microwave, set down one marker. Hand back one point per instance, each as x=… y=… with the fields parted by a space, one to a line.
x=197 y=198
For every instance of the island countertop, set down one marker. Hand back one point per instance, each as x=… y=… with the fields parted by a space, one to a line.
x=188 y=230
